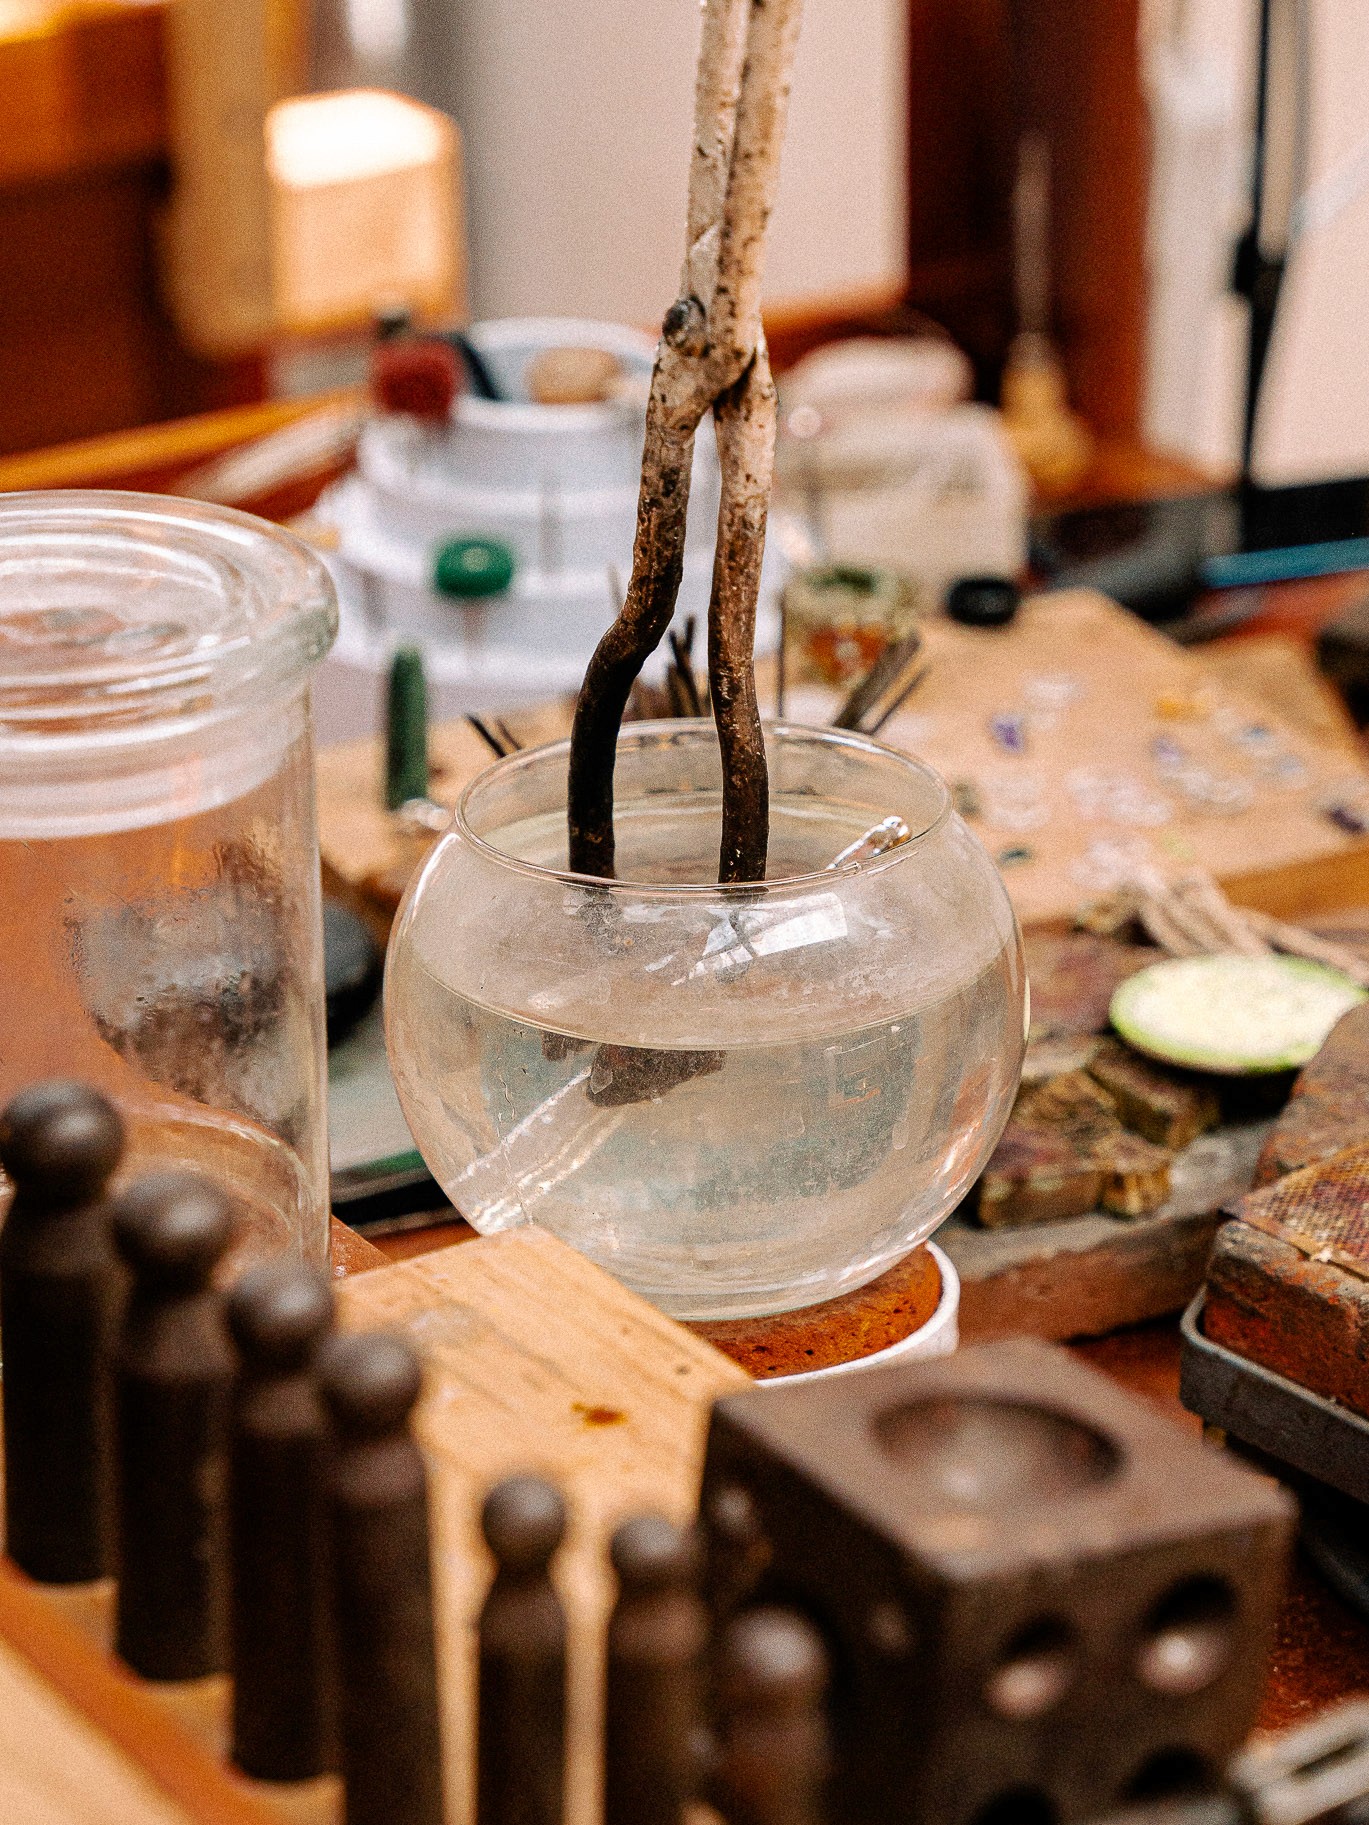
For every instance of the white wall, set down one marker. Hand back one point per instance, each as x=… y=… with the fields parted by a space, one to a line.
x=1316 y=420
x=577 y=121
x=1315 y=409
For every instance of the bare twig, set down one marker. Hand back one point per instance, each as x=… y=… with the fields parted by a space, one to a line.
x=682 y=670
x=1296 y=942
x=734 y=320
x=722 y=53
x=492 y=741
x=1193 y=917
x=888 y=678
x=1162 y=929
x=745 y=417
x=709 y=349
x=1231 y=926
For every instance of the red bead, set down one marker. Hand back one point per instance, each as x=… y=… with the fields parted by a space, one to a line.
x=418 y=377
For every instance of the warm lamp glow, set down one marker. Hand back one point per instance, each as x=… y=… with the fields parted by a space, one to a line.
x=347 y=137
x=365 y=211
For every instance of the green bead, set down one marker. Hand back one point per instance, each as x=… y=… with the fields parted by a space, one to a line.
x=473 y=567
x=406 y=729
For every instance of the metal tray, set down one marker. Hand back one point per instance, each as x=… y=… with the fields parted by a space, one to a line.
x=1270 y=1413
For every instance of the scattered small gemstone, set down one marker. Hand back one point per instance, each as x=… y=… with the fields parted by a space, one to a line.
x=1009 y=731
x=1348 y=818
x=965 y=797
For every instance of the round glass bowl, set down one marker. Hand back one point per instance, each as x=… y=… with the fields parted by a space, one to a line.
x=160 y=933
x=739 y=1100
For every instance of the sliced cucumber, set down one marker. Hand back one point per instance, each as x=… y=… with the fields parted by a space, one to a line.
x=1232 y=1014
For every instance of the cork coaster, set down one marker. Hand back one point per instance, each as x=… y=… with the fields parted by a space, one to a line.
x=874 y=1317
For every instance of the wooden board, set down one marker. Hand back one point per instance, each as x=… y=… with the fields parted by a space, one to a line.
x=1093 y=1274
x=139 y=1745
x=364 y=852
x=535 y=1361
x=1126 y=675
x=89 y=1781
x=1282 y=853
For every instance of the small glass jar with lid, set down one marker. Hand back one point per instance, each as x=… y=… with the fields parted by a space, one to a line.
x=160 y=932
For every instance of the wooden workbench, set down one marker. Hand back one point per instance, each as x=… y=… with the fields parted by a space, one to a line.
x=1323 y=1649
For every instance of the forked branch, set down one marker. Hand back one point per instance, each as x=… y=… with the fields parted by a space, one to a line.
x=745 y=419
x=711 y=355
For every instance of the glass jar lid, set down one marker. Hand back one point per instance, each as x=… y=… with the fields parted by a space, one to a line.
x=120 y=611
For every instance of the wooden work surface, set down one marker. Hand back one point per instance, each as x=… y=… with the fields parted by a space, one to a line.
x=1322 y=1652
x=1094 y=690
x=534 y=1359
x=1322 y=1647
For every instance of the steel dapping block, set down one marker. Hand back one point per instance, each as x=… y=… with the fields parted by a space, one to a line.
x=657 y=1635
x=59 y=1143
x=388 y=1722
x=521 y=1746
x=173 y=1373
x=1034 y=1588
x=773 y=1757
x=279 y=1313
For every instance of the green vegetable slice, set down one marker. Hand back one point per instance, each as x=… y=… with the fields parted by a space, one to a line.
x=1232 y=1014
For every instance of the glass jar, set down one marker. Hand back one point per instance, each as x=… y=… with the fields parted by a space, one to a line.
x=160 y=931
x=739 y=1100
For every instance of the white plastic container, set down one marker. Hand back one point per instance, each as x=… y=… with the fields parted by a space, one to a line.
x=557 y=484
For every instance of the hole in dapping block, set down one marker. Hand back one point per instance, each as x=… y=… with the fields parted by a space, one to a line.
x=1037 y=1668
x=1170 y=1774
x=1187 y=1636
x=1018 y=1806
x=980 y=1454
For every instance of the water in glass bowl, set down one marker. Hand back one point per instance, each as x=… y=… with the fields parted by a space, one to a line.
x=822 y=1133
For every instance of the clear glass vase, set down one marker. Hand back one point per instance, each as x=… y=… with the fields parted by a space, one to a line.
x=739 y=1100
x=160 y=932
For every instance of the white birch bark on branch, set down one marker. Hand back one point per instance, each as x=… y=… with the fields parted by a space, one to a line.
x=711 y=355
